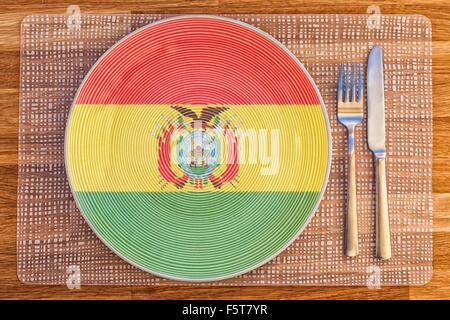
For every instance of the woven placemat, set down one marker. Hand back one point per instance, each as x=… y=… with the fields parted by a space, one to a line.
x=53 y=240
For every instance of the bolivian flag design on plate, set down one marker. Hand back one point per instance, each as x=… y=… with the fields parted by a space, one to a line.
x=197 y=148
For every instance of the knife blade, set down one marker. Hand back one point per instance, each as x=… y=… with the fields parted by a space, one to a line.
x=375 y=102
x=377 y=143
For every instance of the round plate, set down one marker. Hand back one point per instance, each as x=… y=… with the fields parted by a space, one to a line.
x=198 y=148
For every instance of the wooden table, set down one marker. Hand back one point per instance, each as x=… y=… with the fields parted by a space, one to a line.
x=13 y=11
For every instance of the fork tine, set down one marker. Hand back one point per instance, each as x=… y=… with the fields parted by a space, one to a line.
x=359 y=82
x=340 y=85
x=346 y=94
x=353 y=83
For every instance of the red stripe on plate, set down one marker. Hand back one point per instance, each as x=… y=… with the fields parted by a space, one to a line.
x=198 y=61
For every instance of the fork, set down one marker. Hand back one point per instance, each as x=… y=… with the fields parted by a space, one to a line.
x=350 y=113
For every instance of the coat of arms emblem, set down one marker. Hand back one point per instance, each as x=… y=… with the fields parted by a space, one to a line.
x=199 y=149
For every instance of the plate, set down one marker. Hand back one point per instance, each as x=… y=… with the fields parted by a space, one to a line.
x=198 y=148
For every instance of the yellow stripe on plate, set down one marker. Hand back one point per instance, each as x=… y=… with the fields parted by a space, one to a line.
x=115 y=148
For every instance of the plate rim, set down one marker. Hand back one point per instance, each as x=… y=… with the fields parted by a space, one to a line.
x=324 y=112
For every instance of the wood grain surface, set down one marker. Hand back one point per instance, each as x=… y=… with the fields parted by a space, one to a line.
x=11 y=15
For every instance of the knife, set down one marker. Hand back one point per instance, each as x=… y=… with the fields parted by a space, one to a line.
x=376 y=139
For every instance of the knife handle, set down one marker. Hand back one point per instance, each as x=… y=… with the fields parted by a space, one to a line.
x=351 y=223
x=382 y=211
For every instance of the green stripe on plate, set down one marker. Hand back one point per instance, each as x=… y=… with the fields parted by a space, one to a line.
x=197 y=235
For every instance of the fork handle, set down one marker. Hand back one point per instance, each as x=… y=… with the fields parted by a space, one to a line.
x=351 y=224
x=382 y=212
